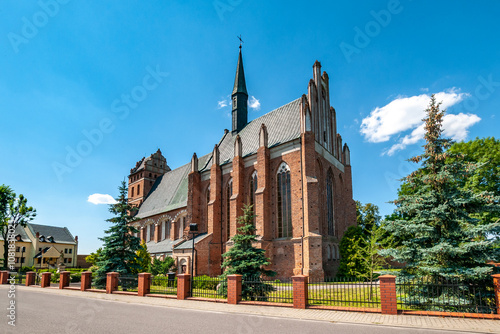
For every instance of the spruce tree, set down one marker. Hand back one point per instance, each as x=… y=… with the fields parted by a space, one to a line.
x=439 y=236
x=246 y=260
x=120 y=245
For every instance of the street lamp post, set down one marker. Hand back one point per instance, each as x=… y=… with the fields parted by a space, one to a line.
x=193 y=229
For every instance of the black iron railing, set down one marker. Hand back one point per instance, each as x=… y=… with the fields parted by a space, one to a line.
x=445 y=294
x=267 y=290
x=209 y=287
x=344 y=293
x=19 y=278
x=163 y=285
x=128 y=283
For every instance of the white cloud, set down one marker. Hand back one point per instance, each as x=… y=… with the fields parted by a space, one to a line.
x=402 y=114
x=222 y=104
x=454 y=127
x=253 y=103
x=101 y=199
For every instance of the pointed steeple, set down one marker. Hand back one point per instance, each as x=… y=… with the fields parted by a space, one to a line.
x=240 y=85
x=239 y=98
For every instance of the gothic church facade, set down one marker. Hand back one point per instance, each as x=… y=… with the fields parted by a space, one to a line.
x=290 y=164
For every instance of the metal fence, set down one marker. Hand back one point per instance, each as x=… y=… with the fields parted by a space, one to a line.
x=128 y=283
x=97 y=282
x=19 y=279
x=344 y=293
x=449 y=295
x=209 y=287
x=267 y=290
x=163 y=285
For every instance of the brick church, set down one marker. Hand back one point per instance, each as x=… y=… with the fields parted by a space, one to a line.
x=290 y=164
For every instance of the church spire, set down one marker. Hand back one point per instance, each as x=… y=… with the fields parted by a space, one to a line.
x=239 y=98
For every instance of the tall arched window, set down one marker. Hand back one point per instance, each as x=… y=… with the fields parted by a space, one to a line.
x=167 y=229
x=253 y=188
x=229 y=193
x=182 y=222
x=284 y=202
x=329 y=203
x=206 y=206
x=151 y=232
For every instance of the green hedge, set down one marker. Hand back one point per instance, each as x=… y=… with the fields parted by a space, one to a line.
x=205 y=282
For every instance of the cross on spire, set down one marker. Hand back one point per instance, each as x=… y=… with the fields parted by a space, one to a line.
x=241 y=41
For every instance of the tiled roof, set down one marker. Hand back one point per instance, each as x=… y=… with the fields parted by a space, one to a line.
x=60 y=234
x=283 y=125
x=170 y=190
x=20 y=230
x=164 y=246
x=188 y=244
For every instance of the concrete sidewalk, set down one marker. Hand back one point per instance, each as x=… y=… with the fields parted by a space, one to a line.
x=424 y=322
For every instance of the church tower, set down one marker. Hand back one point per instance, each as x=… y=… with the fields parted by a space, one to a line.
x=144 y=175
x=239 y=98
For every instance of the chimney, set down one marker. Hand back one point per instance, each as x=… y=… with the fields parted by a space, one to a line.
x=76 y=238
x=37 y=235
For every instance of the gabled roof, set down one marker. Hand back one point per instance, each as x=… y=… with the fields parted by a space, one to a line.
x=20 y=231
x=283 y=125
x=170 y=190
x=48 y=252
x=60 y=234
x=164 y=246
x=188 y=244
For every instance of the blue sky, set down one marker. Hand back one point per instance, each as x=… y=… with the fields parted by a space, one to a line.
x=135 y=76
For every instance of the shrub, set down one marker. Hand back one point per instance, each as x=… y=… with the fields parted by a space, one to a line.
x=75 y=278
x=25 y=269
x=161 y=280
x=54 y=278
x=205 y=282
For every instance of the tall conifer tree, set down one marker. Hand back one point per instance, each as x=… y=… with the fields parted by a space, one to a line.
x=120 y=245
x=439 y=236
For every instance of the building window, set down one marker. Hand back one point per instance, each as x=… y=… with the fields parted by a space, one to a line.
x=132 y=194
x=151 y=232
x=181 y=226
x=69 y=260
x=138 y=189
x=329 y=203
x=22 y=259
x=160 y=231
x=65 y=251
x=253 y=189
x=284 y=201
x=18 y=249
x=208 y=201
x=70 y=250
x=229 y=193
x=17 y=260
x=23 y=249
x=65 y=260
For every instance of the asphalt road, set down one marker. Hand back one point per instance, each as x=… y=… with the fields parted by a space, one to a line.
x=49 y=313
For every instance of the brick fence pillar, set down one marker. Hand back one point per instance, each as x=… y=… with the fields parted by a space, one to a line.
x=30 y=278
x=111 y=282
x=496 y=285
x=300 y=291
x=234 y=289
x=183 y=287
x=144 y=284
x=4 y=276
x=45 y=280
x=388 y=301
x=86 y=281
x=64 y=279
